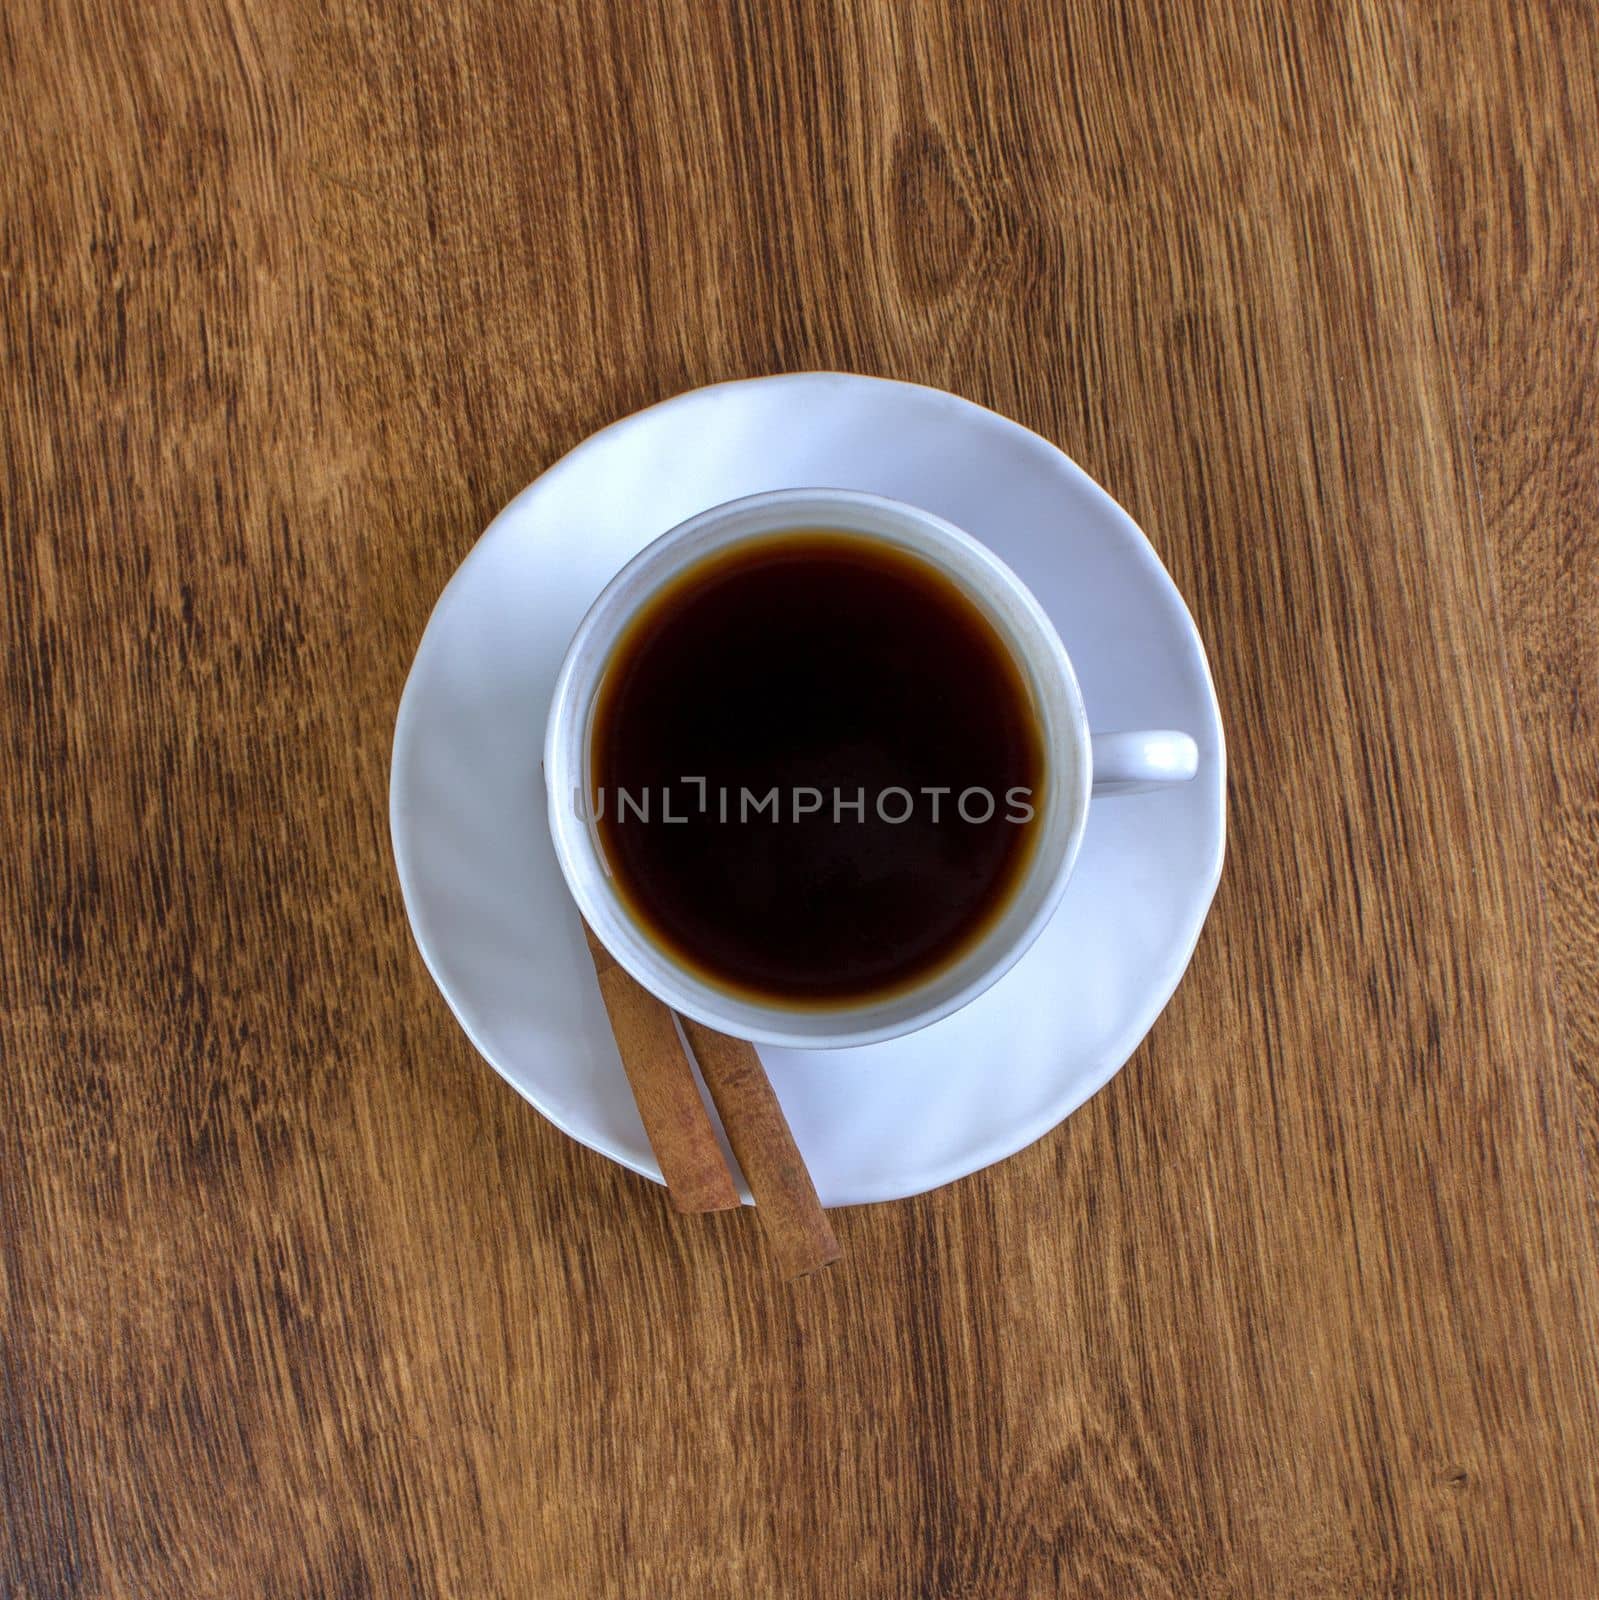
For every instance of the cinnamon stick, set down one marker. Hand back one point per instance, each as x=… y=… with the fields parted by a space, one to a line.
x=662 y=1078
x=785 y=1198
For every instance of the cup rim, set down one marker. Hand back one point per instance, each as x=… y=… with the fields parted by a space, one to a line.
x=988 y=583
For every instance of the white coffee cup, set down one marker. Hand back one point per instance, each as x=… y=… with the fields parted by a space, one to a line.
x=1078 y=765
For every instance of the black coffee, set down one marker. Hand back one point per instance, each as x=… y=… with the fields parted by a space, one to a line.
x=814 y=769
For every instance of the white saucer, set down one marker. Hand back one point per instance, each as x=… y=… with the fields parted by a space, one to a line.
x=486 y=900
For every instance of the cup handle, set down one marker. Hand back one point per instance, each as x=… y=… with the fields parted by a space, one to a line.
x=1152 y=758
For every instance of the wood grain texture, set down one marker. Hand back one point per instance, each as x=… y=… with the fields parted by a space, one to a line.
x=1510 y=129
x=299 y=1298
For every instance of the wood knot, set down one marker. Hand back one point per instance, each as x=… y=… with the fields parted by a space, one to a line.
x=935 y=230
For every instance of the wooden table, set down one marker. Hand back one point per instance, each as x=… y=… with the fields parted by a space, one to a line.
x=298 y=1298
